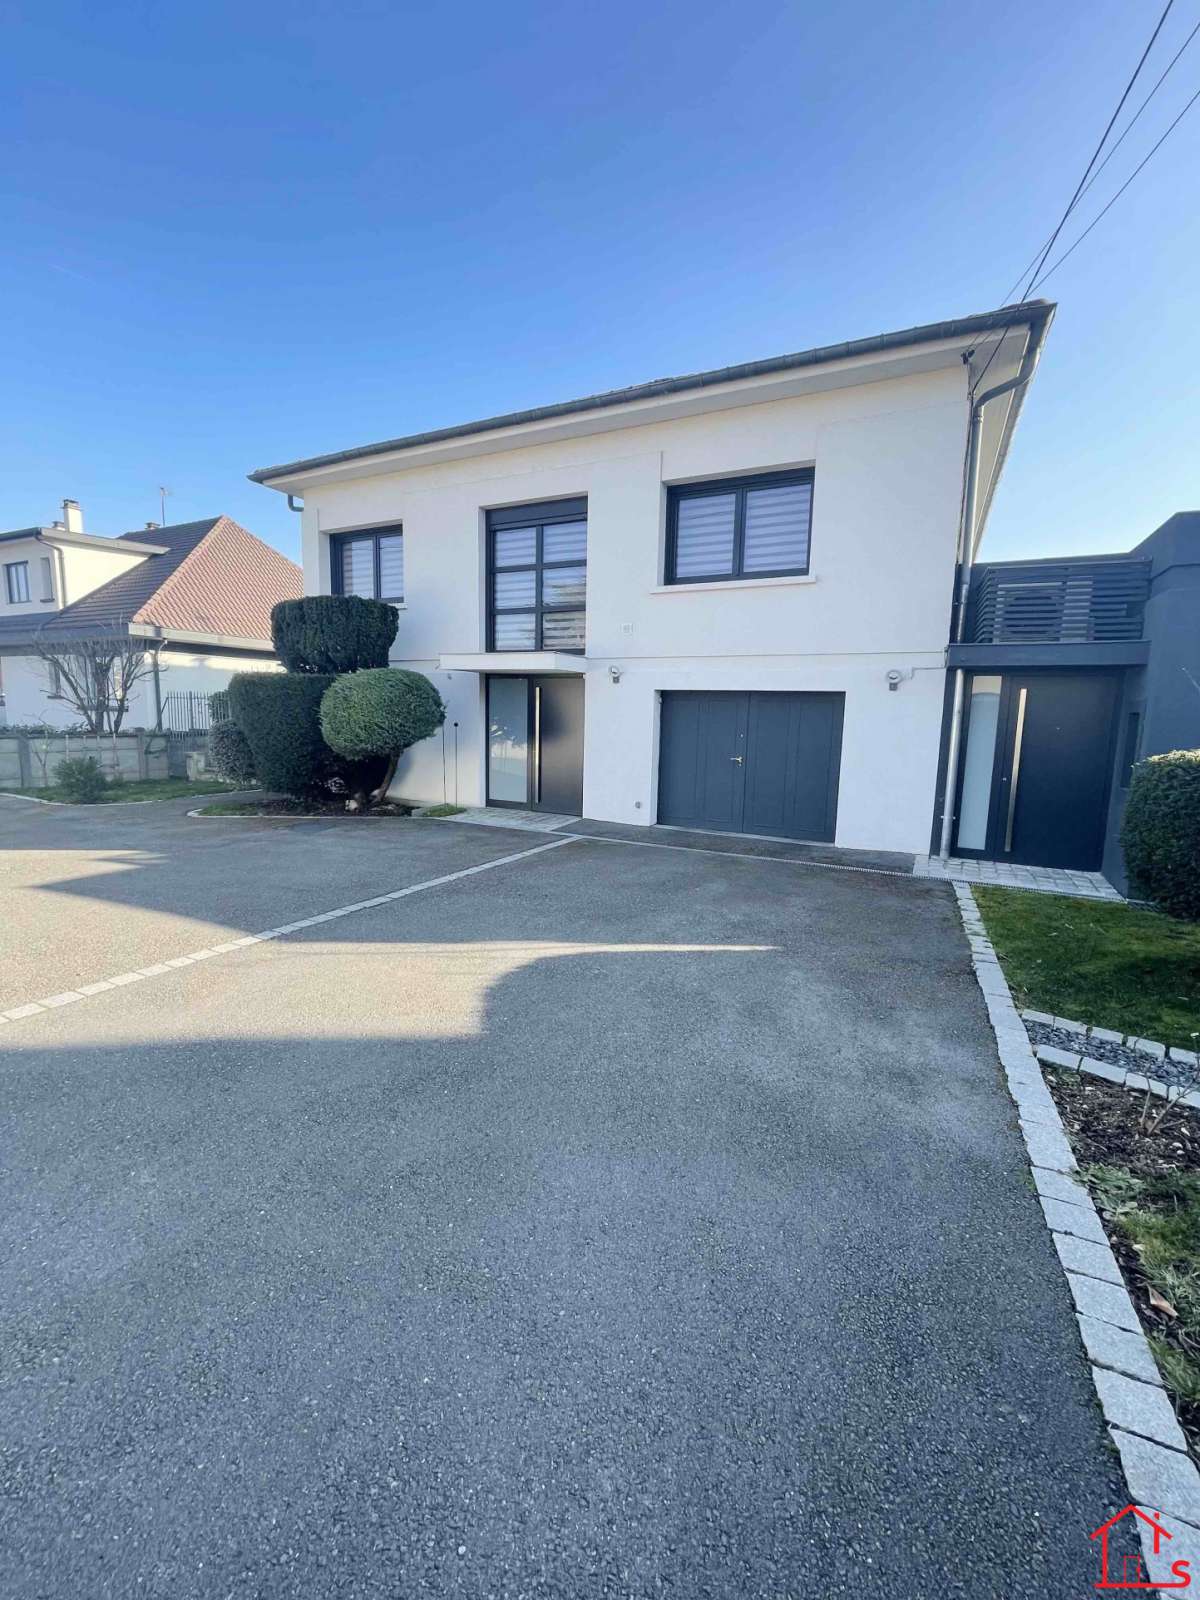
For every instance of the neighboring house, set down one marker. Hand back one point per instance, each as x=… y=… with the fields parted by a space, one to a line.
x=199 y=594
x=734 y=601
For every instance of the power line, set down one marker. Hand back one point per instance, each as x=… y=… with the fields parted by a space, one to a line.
x=1096 y=154
x=1118 y=194
x=1116 y=146
x=1087 y=172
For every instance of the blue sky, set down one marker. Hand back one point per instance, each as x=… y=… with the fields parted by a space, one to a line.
x=241 y=234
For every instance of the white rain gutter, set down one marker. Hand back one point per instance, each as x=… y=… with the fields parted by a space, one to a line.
x=966 y=557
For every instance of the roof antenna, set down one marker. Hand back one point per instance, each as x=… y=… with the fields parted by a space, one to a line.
x=162 y=504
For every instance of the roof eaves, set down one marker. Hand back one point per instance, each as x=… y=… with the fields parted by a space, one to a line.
x=1036 y=313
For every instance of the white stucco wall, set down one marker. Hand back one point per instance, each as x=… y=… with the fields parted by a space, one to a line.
x=77 y=569
x=26 y=690
x=888 y=464
x=27 y=696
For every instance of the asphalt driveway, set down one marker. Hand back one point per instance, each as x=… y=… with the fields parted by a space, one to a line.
x=611 y=1221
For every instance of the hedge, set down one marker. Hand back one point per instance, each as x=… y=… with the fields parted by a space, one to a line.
x=330 y=633
x=1160 y=833
x=229 y=753
x=279 y=713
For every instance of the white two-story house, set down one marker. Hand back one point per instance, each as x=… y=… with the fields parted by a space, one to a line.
x=721 y=601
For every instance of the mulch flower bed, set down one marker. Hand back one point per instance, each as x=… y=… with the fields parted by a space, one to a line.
x=1145 y=1182
x=334 y=806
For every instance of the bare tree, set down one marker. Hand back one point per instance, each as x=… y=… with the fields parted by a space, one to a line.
x=96 y=676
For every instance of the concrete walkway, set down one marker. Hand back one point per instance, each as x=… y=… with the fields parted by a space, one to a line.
x=612 y=1221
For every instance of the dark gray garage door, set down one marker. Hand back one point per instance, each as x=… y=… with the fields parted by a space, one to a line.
x=751 y=763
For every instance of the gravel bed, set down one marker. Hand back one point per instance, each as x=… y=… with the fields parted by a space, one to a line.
x=1117 y=1055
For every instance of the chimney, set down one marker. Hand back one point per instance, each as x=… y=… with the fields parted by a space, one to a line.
x=150 y=526
x=72 y=516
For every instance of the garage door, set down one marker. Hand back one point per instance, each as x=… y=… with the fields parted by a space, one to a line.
x=751 y=763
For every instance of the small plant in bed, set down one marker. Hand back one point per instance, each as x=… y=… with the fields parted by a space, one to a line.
x=1142 y=1167
x=80 y=780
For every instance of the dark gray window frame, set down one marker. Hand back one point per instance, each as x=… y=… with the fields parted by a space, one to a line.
x=737 y=486
x=11 y=568
x=541 y=515
x=337 y=541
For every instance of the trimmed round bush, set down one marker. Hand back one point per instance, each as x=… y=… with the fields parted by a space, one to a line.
x=80 y=779
x=377 y=715
x=327 y=633
x=229 y=753
x=380 y=713
x=1160 y=833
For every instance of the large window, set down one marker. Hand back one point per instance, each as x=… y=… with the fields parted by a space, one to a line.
x=537 y=576
x=739 y=528
x=16 y=582
x=369 y=562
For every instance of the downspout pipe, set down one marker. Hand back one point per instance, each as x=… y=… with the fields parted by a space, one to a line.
x=965 y=559
x=60 y=567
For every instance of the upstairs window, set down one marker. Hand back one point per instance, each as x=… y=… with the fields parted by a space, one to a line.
x=740 y=528
x=370 y=563
x=16 y=582
x=537 y=576
x=47 y=578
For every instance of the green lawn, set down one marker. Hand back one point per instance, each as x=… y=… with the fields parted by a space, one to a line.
x=1115 y=966
x=135 y=789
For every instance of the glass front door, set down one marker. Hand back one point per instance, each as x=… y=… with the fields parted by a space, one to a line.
x=535 y=742
x=508 y=741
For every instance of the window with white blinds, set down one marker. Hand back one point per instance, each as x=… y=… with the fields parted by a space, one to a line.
x=744 y=528
x=369 y=562
x=537 y=576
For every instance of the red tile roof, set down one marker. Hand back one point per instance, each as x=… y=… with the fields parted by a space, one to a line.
x=226 y=584
x=213 y=577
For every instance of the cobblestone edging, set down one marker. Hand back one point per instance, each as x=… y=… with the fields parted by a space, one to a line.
x=1118 y=1057
x=1159 y=1472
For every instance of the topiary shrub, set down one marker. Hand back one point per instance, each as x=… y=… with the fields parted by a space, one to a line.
x=377 y=715
x=80 y=779
x=278 y=713
x=333 y=633
x=229 y=753
x=1160 y=833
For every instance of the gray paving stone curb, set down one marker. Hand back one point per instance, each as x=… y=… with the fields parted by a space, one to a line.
x=1153 y=1451
x=1139 y=1082
x=1147 y=1047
